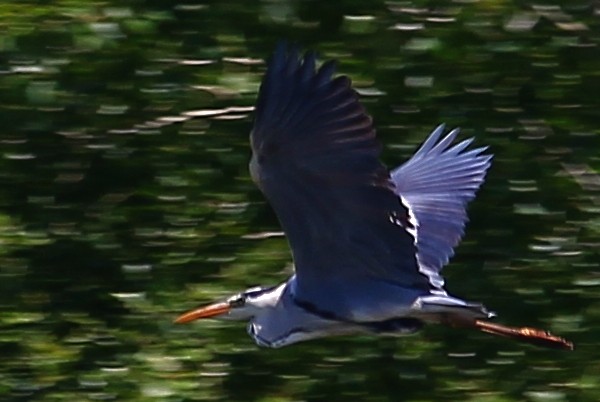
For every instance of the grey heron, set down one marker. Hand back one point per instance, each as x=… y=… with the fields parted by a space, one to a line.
x=368 y=244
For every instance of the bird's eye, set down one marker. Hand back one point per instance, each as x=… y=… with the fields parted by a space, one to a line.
x=237 y=301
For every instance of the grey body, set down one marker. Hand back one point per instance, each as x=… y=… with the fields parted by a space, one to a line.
x=281 y=319
x=368 y=244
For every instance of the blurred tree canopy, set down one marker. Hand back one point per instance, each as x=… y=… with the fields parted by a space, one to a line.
x=125 y=196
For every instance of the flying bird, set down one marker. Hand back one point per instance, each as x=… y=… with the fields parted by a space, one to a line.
x=368 y=244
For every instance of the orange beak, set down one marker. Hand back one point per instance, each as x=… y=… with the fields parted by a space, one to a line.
x=209 y=311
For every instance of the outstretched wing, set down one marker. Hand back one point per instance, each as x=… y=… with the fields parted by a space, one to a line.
x=436 y=184
x=316 y=159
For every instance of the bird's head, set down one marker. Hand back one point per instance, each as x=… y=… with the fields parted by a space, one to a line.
x=274 y=320
x=242 y=306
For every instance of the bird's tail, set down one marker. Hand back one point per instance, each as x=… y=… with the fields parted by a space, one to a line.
x=454 y=312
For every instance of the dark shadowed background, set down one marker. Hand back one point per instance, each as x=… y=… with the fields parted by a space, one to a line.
x=125 y=197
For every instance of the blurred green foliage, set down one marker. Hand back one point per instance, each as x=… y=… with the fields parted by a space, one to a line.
x=125 y=195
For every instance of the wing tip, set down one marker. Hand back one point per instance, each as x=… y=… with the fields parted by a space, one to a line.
x=288 y=57
x=446 y=144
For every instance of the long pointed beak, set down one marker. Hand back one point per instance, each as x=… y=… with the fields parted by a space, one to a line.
x=209 y=311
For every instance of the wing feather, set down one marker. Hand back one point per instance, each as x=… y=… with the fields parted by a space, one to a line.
x=316 y=159
x=436 y=184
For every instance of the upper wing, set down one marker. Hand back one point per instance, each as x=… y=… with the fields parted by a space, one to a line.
x=315 y=157
x=436 y=184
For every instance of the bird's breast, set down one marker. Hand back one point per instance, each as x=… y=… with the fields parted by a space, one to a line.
x=254 y=170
